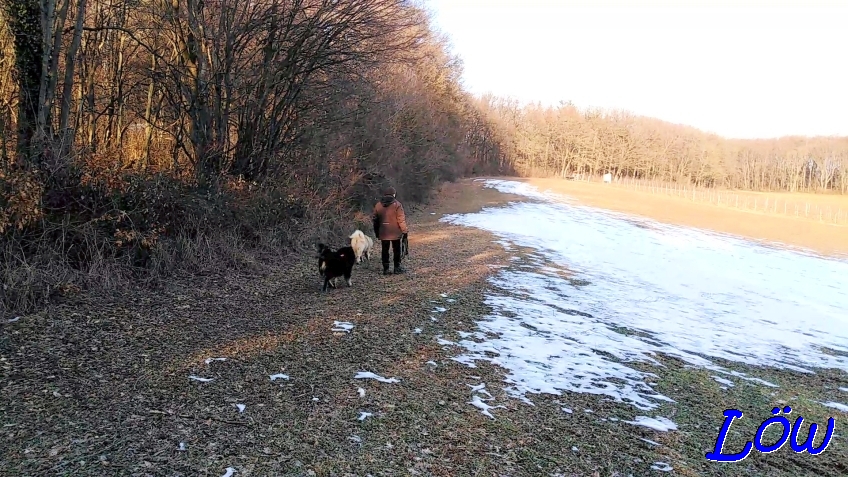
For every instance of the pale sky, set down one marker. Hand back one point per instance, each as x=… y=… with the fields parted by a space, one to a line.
x=757 y=69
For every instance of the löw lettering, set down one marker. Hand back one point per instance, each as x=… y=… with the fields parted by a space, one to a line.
x=790 y=433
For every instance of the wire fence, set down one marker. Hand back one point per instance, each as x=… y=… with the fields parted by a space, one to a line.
x=830 y=209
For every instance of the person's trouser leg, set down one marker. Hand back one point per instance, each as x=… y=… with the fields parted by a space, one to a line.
x=385 y=255
x=396 y=255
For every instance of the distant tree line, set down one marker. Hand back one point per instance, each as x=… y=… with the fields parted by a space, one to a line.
x=564 y=140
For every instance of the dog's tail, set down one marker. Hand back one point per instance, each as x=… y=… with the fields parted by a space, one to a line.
x=356 y=233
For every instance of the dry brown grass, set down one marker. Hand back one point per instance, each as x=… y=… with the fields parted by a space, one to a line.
x=820 y=237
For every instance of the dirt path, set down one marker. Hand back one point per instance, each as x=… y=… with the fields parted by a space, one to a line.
x=101 y=386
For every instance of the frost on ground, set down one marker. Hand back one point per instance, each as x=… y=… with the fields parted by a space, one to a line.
x=370 y=375
x=277 y=376
x=344 y=326
x=738 y=301
x=363 y=415
x=661 y=424
x=198 y=378
x=835 y=405
x=209 y=360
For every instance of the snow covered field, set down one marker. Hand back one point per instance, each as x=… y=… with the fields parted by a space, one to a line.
x=602 y=290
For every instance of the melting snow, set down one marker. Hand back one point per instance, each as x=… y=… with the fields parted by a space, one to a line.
x=662 y=466
x=417 y=331
x=836 y=405
x=484 y=408
x=229 y=473
x=182 y=447
x=444 y=342
x=844 y=389
x=363 y=415
x=567 y=410
x=480 y=388
x=209 y=360
x=661 y=424
x=275 y=377
x=735 y=300
x=439 y=309
x=361 y=392
x=720 y=380
x=241 y=407
x=370 y=375
x=342 y=326
x=202 y=380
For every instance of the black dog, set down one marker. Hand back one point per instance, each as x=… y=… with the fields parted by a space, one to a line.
x=332 y=265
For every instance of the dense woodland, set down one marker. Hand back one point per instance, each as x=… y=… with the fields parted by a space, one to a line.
x=142 y=137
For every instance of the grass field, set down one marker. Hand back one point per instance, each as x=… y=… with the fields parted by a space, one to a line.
x=98 y=385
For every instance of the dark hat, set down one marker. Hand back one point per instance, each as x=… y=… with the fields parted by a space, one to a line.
x=389 y=191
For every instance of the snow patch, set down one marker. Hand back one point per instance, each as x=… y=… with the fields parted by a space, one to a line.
x=835 y=405
x=477 y=402
x=344 y=326
x=738 y=301
x=661 y=424
x=370 y=375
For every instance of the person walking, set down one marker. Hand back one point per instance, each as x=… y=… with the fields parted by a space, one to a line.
x=390 y=228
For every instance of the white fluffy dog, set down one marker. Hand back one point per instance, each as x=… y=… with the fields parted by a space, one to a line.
x=362 y=245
